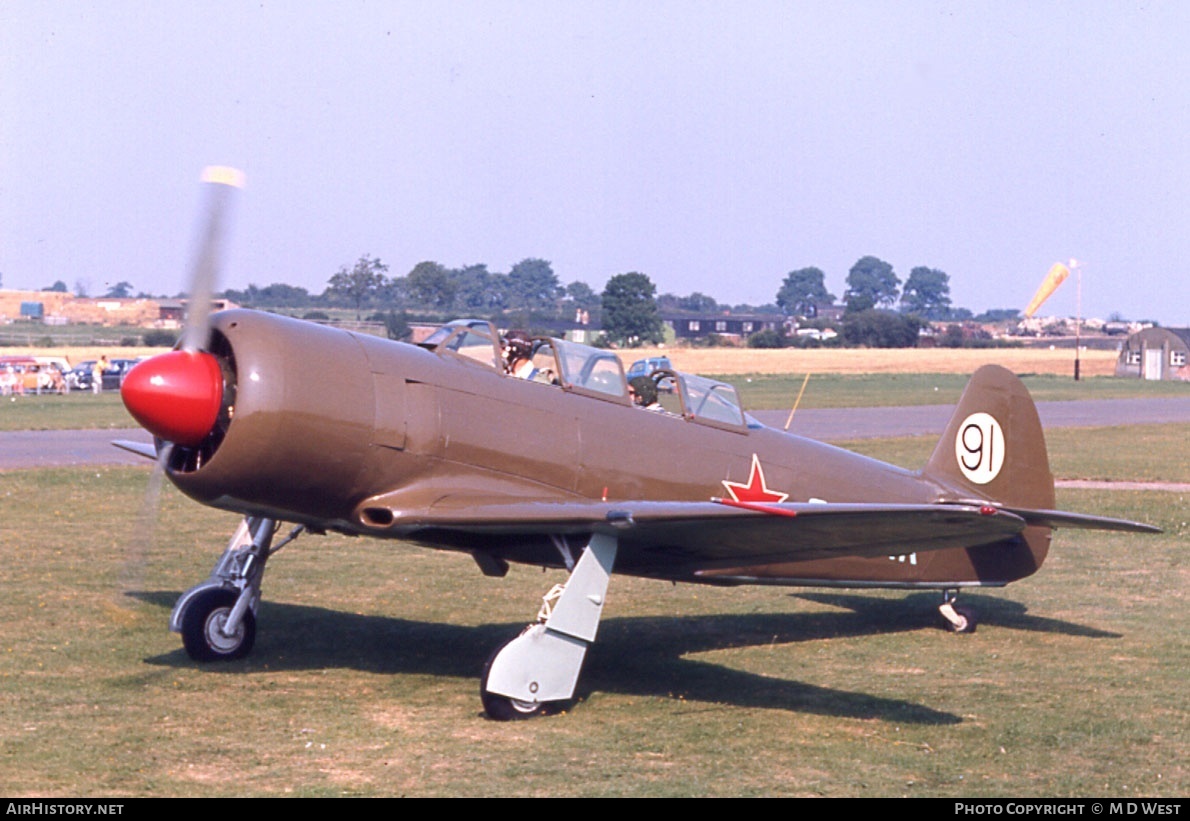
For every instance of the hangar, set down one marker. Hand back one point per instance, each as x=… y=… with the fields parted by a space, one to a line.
x=1156 y=353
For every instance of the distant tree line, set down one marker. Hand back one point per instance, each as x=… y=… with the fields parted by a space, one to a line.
x=872 y=315
x=529 y=289
x=880 y=310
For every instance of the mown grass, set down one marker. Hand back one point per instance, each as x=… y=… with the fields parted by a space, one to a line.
x=365 y=676
x=78 y=410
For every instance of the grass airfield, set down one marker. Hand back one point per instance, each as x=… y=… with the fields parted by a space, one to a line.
x=365 y=677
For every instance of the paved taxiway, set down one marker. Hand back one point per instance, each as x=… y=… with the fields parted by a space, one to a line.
x=57 y=448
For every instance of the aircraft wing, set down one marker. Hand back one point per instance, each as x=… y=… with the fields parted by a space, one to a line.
x=727 y=533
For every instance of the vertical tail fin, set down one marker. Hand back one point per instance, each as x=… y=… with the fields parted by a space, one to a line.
x=994 y=447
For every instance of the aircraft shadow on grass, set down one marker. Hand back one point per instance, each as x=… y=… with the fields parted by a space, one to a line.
x=873 y=614
x=647 y=656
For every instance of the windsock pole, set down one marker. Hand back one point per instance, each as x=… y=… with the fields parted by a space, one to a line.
x=1078 y=316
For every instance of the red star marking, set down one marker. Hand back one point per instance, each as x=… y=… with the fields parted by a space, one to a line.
x=756 y=490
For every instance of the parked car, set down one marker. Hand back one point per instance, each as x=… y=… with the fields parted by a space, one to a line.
x=25 y=374
x=18 y=374
x=645 y=367
x=79 y=378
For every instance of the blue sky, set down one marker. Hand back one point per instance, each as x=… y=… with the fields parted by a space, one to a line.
x=714 y=146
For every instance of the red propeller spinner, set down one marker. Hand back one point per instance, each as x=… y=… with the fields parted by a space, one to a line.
x=175 y=396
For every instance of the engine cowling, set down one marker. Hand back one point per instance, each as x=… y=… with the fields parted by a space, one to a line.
x=275 y=419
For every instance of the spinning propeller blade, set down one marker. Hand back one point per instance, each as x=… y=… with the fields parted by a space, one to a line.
x=176 y=396
x=220 y=183
x=136 y=556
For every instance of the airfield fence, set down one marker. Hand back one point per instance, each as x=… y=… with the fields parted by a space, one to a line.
x=47 y=336
x=47 y=340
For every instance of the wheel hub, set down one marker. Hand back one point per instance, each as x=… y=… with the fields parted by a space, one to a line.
x=219 y=640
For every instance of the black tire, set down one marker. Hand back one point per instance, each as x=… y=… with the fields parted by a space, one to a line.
x=503 y=708
x=205 y=613
x=969 y=621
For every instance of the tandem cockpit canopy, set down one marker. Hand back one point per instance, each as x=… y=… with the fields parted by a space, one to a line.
x=593 y=372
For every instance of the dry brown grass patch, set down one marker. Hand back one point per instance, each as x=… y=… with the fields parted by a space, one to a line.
x=864 y=360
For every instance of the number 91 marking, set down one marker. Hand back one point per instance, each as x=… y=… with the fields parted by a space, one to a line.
x=979 y=448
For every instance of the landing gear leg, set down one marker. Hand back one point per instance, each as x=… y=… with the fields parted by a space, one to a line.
x=217 y=619
x=542 y=664
x=959 y=619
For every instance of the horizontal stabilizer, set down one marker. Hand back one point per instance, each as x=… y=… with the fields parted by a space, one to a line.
x=1061 y=518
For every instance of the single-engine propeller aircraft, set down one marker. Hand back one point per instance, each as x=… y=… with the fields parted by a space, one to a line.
x=440 y=444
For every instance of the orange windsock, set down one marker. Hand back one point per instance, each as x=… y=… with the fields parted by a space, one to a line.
x=1056 y=276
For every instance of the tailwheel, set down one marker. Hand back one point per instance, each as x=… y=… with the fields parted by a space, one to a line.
x=958 y=618
x=203 y=623
x=504 y=708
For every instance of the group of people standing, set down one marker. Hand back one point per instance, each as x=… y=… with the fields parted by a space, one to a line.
x=25 y=375
x=22 y=379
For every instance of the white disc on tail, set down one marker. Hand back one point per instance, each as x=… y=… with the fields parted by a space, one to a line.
x=979 y=448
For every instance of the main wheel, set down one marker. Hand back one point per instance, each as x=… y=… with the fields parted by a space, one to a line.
x=202 y=627
x=503 y=708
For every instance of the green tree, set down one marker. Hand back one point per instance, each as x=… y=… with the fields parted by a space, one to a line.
x=804 y=291
x=360 y=283
x=881 y=329
x=121 y=290
x=749 y=308
x=396 y=325
x=695 y=303
x=248 y=296
x=768 y=338
x=871 y=283
x=582 y=295
x=282 y=295
x=532 y=284
x=999 y=315
x=698 y=303
x=926 y=293
x=630 y=311
x=430 y=285
x=58 y=287
x=668 y=302
x=479 y=291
